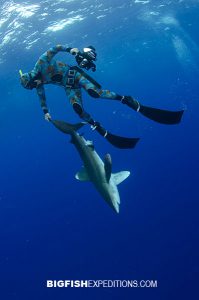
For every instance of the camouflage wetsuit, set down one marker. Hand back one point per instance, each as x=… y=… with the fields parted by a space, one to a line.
x=47 y=70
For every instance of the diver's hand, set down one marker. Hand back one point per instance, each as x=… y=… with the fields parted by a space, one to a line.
x=47 y=117
x=74 y=51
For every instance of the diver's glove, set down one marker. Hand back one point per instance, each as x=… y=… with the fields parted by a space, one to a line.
x=74 y=51
x=47 y=117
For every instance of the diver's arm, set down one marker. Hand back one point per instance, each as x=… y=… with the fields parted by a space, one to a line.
x=36 y=72
x=49 y=54
x=42 y=98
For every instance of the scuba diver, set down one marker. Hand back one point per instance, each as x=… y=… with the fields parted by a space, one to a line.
x=47 y=70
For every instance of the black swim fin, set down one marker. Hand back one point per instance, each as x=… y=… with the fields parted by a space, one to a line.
x=160 y=115
x=115 y=140
x=155 y=114
x=121 y=142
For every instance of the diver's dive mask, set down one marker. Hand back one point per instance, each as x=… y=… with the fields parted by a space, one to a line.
x=27 y=80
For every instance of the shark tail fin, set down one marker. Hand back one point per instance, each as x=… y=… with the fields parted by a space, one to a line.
x=67 y=127
x=120 y=176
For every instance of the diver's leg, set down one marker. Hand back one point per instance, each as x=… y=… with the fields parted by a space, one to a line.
x=95 y=92
x=75 y=99
x=158 y=115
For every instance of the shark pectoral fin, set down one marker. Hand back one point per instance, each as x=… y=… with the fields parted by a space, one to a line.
x=120 y=176
x=82 y=175
x=108 y=166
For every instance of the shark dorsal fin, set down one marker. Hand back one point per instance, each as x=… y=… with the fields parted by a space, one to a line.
x=108 y=166
x=120 y=176
x=82 y=175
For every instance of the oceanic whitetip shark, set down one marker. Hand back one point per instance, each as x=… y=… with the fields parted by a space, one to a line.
x=94 y=169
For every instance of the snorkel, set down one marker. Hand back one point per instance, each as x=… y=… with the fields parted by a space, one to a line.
x=24 y=79
x=20 y=73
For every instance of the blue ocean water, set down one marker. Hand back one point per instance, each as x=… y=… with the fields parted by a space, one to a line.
x=53 y=227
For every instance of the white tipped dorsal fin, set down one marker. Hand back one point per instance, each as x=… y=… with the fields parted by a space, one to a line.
x=82 y=175
x=120 y=176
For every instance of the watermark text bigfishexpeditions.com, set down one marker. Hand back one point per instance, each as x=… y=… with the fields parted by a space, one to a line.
x=102 y=283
